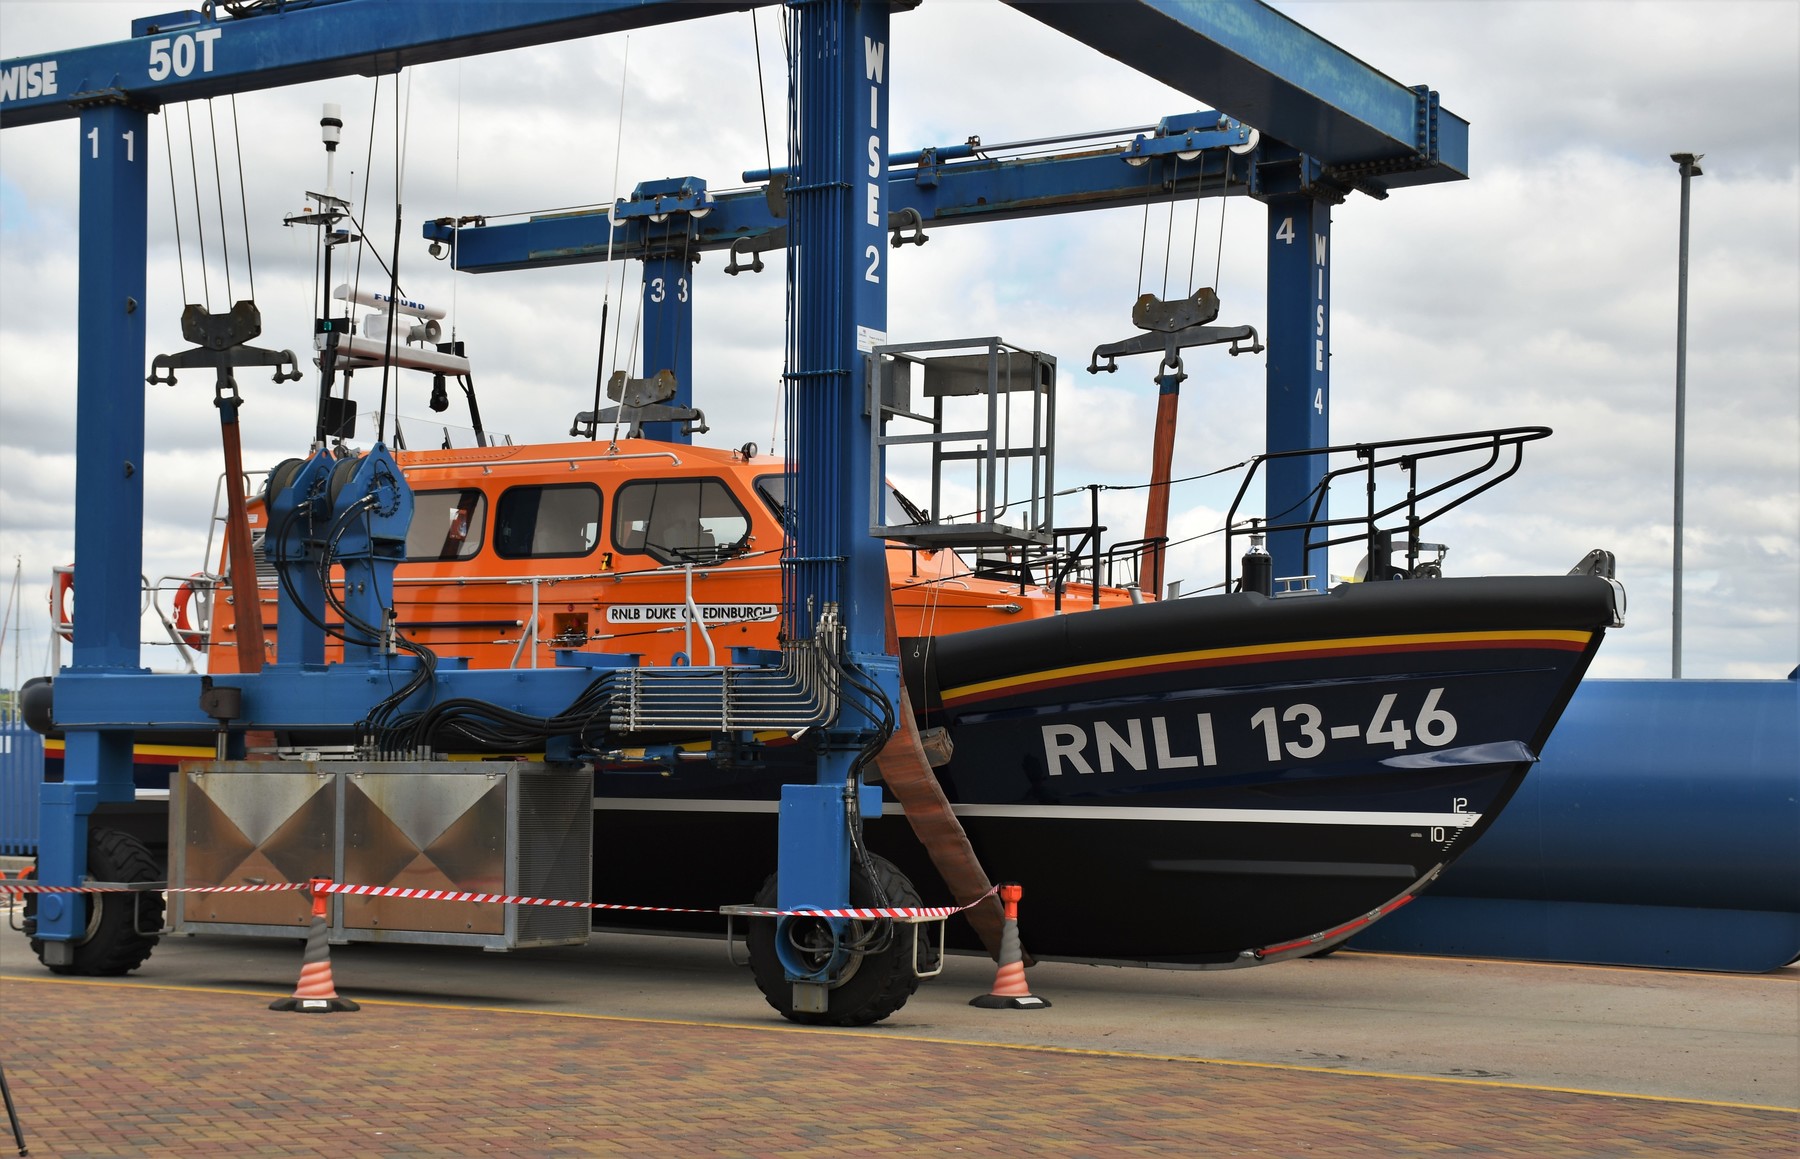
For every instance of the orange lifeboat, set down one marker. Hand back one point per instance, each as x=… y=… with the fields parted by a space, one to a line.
x=667 y=551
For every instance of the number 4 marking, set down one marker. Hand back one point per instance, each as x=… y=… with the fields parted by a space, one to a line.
x=1286 y=232
x=1319 y=400
x=1385 y=731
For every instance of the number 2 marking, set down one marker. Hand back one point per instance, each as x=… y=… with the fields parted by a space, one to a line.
x=873 y=253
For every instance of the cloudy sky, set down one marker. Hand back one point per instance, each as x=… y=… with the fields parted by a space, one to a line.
x=1541 y=291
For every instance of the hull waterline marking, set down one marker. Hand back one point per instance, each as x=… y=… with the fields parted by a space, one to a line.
x=1416 y=820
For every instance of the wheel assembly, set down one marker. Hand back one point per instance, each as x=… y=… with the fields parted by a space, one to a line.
x=114 y=941
x=875 y=976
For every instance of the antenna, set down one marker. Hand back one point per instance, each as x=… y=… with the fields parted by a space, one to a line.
x=331 y=128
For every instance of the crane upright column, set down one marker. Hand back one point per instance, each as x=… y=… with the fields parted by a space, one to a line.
x=669 y=332
x=109 y=491
x=1299 y=370
x=837 y=287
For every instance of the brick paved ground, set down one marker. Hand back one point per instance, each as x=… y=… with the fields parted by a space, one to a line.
x=120 y=1069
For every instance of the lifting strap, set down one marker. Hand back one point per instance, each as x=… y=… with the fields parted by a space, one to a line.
x=905 y=770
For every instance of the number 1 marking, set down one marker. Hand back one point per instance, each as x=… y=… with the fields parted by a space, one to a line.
x=1265 y=720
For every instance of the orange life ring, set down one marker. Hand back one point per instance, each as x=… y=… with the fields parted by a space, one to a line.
x=62 y=603
x=194 y=637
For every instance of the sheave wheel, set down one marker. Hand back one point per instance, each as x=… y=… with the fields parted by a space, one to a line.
x=875 y=983
x=112 y=944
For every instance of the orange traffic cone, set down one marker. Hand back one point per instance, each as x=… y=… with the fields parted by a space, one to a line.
x=315 y=994
x=1010 y=991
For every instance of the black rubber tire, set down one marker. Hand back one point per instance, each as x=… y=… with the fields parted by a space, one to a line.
x=876 y=984
x=113 y=945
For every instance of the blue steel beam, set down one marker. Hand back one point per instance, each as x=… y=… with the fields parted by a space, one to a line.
x=290 y=696
x=1247 y=59
x=176 y=58
x=943 y=194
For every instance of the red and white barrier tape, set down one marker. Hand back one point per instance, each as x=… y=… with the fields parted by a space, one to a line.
x=499 y=899
x=864 y=914
x=34 y=887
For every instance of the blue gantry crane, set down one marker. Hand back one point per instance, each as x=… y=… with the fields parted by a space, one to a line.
x=1325 y=125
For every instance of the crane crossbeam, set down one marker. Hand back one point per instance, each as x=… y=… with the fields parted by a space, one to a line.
x=180 y=58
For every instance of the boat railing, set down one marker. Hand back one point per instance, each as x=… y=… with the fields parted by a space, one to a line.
x=251 y=481
x=1392 y=526
x=1077 y=559
x=184 y=622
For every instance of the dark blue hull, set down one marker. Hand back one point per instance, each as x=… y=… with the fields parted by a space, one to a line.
x=1214 y=782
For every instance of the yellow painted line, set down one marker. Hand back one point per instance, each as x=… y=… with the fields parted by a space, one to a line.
x=891 y=1036
x=1357 y=642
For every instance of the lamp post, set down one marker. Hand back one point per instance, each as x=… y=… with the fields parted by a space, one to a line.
x=1690 y=168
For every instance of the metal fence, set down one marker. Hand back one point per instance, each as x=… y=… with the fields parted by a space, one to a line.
x=21 y=772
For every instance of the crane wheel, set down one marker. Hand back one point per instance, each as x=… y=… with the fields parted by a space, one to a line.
x=874 y=984
x=112 y=944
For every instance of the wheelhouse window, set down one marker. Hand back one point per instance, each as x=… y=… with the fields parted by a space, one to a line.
x=679 y=520
x=773 y=490
x=557 y=521
x=446 y=525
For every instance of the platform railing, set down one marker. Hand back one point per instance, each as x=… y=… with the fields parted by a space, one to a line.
x=1501 y=451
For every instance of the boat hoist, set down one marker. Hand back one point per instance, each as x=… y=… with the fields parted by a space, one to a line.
x=1320 y=134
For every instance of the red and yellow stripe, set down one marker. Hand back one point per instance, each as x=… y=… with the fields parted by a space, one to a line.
x=147 y=754
x=1555 y=639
